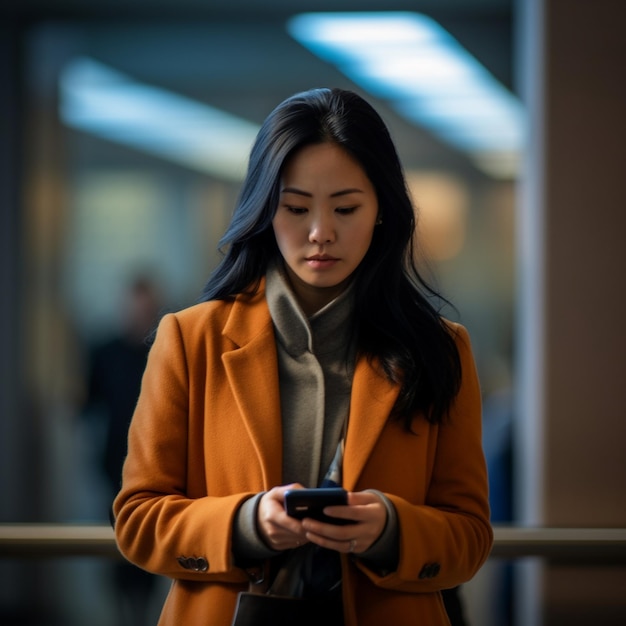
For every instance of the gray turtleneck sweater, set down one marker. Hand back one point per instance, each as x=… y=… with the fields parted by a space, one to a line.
x=316 y=365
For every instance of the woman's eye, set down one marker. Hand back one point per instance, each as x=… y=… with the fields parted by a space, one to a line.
x=345 y=210
x=297 y=210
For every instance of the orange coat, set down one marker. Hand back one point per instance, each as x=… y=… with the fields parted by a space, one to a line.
x=206 y=435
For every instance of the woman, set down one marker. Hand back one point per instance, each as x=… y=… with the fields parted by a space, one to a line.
x=316 y=355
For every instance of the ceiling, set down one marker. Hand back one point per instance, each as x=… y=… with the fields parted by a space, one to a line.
x=237 y=55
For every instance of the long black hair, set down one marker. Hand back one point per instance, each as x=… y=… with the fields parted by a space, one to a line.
x=397 y=322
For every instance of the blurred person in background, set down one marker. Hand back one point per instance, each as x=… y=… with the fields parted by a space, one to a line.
x=317 y=357
x=116 y=367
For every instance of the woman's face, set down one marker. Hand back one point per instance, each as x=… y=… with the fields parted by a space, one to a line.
x=324 y=222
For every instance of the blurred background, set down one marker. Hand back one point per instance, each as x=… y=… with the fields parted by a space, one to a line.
x=125 y=130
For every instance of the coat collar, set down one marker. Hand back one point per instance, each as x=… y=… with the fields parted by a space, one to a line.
x=249 y=317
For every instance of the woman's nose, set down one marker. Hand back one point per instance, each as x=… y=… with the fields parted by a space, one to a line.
x=322 y=230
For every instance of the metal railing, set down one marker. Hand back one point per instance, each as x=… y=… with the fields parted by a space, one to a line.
x=578 y=545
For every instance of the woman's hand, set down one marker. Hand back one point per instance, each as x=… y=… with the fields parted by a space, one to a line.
x=367 y=511
x=279 y=530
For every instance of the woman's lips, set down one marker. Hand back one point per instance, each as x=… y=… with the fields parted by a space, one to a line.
x=321 y=262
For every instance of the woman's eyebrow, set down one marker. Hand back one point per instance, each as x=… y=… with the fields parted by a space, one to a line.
x=300 y=192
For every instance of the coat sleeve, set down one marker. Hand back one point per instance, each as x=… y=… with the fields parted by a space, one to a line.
x=157 y=526
x=444 y=540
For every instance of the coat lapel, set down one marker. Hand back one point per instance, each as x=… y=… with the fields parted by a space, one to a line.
x=372 y=399
x=252 y=371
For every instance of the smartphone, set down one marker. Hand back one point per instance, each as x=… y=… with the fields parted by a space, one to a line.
x=301 y=503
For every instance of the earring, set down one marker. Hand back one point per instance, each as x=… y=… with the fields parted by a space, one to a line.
x=379 y=220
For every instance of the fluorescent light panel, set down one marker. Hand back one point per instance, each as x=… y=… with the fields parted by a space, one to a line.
x=107 y=103
x=425 y=74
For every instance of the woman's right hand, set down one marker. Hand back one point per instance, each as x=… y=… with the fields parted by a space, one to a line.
x=277 y=529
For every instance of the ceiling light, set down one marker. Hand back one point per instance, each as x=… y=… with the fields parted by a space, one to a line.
x=104 y=102
x=409 y=60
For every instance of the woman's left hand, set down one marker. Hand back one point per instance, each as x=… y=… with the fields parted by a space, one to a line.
x=369 y=515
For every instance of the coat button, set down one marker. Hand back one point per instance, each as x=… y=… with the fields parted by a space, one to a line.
x=195 y=564
x=184 y=562
x=430 y=570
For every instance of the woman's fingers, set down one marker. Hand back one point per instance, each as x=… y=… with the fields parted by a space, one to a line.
x=365 y=511
x=277 y=529
x=369 y=517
